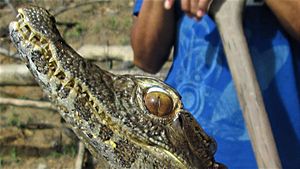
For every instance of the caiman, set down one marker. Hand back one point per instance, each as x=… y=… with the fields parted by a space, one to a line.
x=131 y=121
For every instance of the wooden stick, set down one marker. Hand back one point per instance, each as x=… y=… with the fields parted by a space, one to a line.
x=228 y=16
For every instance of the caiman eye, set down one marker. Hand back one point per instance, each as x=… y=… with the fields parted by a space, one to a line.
x=158 y=103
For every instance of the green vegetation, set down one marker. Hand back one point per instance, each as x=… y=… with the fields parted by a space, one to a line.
x=76 y=32
x=113 y=24
x=1 y=162
x=2 y=108
x=14 y=120
x=14 y=156
x=55 y=154
x=70 y=150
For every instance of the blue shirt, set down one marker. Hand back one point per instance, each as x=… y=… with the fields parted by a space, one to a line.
x=201 y=75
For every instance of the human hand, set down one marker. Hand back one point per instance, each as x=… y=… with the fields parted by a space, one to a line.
x=193 y=8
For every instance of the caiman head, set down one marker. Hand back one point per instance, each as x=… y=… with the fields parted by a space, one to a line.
x=131 y=121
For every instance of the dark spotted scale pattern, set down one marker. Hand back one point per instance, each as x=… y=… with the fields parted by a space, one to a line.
x=106 y=111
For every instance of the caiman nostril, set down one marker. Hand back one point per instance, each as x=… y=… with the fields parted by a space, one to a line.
x=111 y=118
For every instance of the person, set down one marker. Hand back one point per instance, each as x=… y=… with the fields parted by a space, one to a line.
x=201 y=75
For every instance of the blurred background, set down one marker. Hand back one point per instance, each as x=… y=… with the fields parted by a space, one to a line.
x=32 y=133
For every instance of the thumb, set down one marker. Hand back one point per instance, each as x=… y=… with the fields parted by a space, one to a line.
x=168 y=4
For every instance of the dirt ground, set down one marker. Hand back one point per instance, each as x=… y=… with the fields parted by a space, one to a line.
x=38 y=138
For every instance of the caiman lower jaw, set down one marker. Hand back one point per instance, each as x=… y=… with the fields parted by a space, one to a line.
x=32 y=41
x=35 y=42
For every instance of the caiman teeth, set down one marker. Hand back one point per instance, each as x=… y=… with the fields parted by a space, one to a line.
x=22 y=25
x=57 y=71
x=37 y=48
x=31 y=36
x=66 y=82
x=51 y=59
x=45 y=45
x=42 y=40
x=25 y=33
x=41 y=44
x=19 y=16
x=21 y=20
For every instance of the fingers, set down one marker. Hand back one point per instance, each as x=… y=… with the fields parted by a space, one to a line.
x=186 y=7
x=195 y=8
x=168 y=4
x=204 y=4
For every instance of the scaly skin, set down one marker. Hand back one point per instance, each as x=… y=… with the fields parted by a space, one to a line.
x=130 y=121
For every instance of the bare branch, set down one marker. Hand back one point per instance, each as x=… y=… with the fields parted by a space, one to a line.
x=26 y=103
x=80 y=156
x=96 y=52
x=16 y=74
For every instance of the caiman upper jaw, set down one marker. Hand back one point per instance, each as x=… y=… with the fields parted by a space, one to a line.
x=39 y=22
x=112 y=114
x=32 y=34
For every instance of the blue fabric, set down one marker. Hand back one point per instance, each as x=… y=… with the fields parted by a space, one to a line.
x=201 y=75
x=137 y=7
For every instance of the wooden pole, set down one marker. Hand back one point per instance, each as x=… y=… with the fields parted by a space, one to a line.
x=228 y=16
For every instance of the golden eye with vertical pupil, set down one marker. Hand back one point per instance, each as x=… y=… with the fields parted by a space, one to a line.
x=158 y=103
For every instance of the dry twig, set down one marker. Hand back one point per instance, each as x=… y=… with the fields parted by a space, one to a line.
x=16 y=74
x=80 y=156
x=26 y=103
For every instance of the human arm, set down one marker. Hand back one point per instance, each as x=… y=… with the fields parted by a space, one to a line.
x=153 y=31
x=287 y=12
x=152 y=35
